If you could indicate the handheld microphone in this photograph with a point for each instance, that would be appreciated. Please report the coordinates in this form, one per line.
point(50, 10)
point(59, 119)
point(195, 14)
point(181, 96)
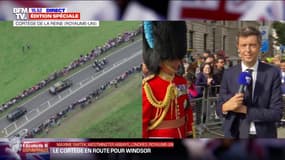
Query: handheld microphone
point(244, 80)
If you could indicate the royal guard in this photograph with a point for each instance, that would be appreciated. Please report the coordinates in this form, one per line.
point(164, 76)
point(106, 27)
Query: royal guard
point(165, 98)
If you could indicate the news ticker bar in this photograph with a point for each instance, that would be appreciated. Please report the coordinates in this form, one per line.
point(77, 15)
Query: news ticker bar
point(91, 147)
point(55, 23)
point(50, 149)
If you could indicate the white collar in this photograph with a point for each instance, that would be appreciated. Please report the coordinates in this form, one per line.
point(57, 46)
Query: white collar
point(254, 67)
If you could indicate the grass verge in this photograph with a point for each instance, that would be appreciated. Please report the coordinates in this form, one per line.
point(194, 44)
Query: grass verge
point(51, 48)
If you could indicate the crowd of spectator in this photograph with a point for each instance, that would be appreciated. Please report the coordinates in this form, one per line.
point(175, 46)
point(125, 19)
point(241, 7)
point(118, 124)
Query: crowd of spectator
point(56, 119)
point(204, 75)
point(94, 53)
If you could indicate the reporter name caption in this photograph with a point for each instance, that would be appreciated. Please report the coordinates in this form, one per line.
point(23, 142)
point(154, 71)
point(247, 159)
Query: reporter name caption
point(49, 17)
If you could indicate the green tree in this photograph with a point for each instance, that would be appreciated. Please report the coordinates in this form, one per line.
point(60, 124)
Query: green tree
point(280, 31)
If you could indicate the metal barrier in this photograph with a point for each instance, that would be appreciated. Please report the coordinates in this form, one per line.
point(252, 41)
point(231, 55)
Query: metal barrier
point(283, 98)
point(206, 121)
point(282, 122)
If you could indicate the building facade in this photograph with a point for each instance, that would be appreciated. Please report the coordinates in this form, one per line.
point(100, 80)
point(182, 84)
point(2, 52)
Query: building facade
point(215, 35)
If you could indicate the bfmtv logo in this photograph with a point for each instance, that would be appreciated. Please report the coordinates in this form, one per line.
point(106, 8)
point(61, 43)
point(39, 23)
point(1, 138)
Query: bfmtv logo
point(20, 13)
point(248, 79)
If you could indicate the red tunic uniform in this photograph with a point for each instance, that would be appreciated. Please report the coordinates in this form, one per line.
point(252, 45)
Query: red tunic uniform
point(164, 113)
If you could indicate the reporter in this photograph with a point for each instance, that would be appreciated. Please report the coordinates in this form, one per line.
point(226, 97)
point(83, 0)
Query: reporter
point(251, 114)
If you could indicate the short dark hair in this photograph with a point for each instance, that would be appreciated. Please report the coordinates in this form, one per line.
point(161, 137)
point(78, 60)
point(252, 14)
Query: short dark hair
point(207, 51)
point(249, 31)
point(190, 77)
point(282, 61)
point(211, 56)
point(220, 57)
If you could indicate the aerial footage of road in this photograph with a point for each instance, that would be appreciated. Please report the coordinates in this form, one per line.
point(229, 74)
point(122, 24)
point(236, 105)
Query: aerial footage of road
point(86, 80)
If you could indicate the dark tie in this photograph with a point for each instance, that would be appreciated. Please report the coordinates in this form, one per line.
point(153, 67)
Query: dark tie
point(249, 88)
point(244, 123)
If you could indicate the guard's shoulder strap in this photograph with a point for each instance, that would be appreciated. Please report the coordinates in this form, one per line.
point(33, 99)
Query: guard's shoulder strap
point(148, 78)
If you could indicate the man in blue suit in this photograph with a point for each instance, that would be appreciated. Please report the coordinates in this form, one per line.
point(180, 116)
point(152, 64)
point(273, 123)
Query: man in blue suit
point(250, 115)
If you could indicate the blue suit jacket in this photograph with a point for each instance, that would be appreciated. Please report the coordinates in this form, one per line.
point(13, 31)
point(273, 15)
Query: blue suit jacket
point(266, 107)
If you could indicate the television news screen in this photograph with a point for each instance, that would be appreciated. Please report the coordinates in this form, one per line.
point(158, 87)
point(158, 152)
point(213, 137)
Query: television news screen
point(72, 78)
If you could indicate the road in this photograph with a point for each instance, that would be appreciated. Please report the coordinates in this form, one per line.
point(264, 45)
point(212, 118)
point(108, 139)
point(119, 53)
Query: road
point(44, 105)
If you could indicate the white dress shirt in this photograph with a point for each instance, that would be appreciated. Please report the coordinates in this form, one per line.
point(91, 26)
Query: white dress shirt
point(252, 129)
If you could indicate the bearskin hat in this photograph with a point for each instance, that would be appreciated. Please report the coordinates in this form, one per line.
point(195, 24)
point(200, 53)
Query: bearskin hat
point(163, 40)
